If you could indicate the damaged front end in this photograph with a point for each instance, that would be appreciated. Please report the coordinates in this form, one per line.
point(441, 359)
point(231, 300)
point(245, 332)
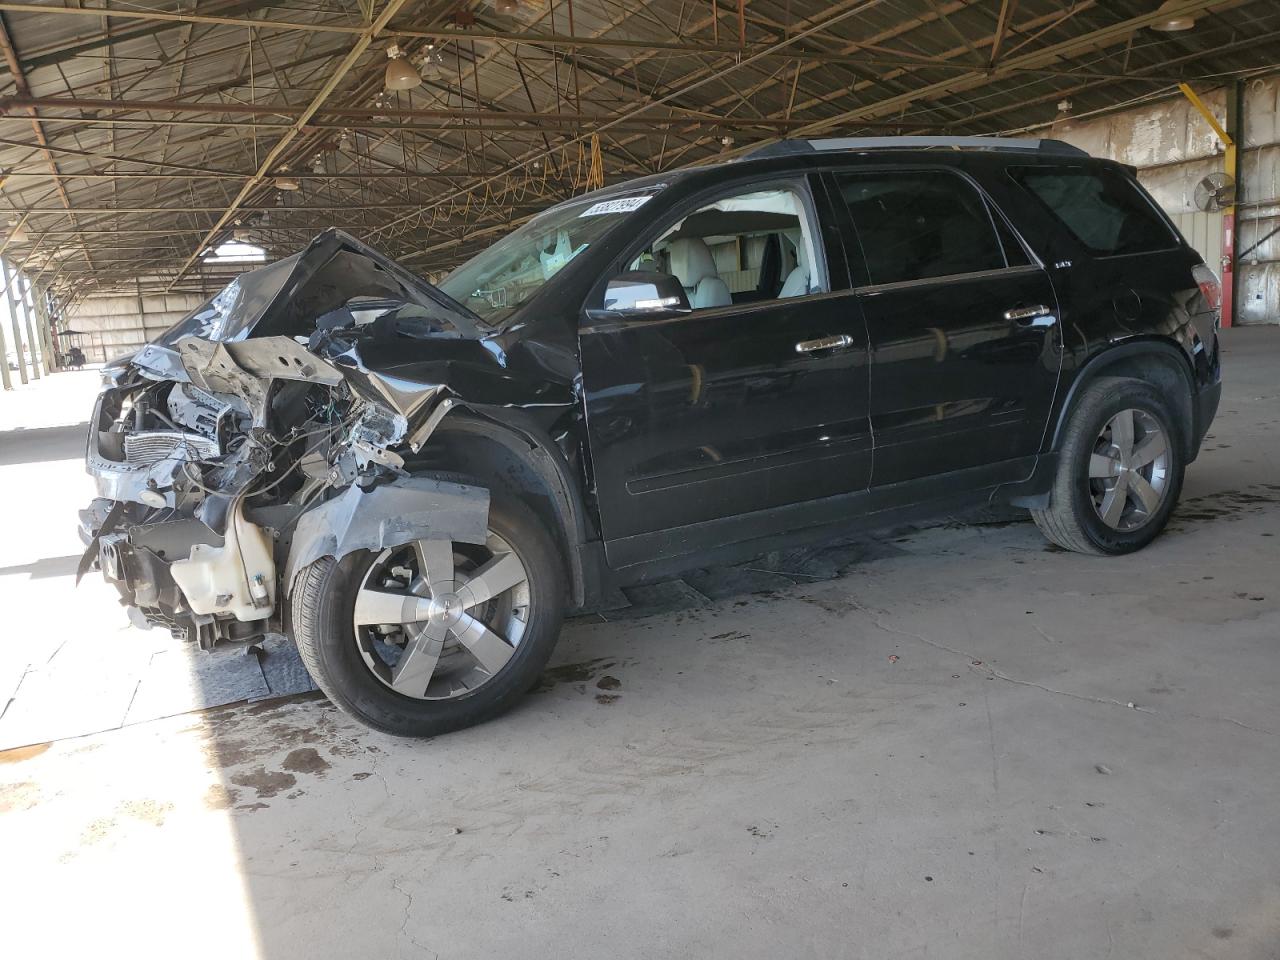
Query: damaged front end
point(269, 428)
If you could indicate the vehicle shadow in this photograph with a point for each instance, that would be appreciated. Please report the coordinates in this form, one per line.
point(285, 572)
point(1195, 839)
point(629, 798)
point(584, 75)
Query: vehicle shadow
point(40, 444)
point(44, 567)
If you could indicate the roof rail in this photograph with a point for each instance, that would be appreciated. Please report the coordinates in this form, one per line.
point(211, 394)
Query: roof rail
point(787, 148)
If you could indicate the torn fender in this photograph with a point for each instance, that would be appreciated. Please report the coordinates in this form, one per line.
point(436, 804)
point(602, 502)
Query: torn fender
point(388, 515)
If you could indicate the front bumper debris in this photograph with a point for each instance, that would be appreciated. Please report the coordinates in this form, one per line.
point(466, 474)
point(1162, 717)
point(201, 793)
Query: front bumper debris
point(233, 451)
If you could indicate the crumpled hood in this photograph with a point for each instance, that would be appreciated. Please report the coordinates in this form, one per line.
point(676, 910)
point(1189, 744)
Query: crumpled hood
point(310, 289)
point(340, 310)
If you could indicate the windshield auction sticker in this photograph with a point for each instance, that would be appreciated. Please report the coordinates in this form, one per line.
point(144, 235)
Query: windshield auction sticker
point(621, 205)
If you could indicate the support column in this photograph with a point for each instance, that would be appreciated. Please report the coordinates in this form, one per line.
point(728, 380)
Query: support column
point(52, 362)
point(1231, 235)
point(6, 274)
point(4, 361)
point(53, 313)
point(42, 330)
point(37, 348)
point(1231, 165)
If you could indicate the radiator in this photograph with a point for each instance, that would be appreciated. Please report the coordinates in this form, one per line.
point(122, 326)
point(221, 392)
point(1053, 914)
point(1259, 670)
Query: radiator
point(157, 445)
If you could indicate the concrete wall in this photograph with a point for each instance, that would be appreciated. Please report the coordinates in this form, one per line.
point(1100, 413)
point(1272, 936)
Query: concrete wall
point(119, 323)
point(1174, 148)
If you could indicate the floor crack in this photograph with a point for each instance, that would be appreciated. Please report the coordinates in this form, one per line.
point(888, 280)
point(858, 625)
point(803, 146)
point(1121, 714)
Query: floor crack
point(17, 687)
point(1067, 693)
point(976, 664)
point(404, 924)
point(1235, 722)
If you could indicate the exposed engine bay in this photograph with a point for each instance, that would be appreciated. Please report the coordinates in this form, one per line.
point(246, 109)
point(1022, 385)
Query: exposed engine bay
point(271, 427)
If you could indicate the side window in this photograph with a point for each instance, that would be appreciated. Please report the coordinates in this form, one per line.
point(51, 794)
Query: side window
point(915, 225)
point(1103, 209)
point(743, 248)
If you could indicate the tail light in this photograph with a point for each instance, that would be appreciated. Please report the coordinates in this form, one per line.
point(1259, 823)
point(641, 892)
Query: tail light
point(1209, 285)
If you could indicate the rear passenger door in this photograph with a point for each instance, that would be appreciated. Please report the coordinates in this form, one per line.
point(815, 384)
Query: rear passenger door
point(963, 327)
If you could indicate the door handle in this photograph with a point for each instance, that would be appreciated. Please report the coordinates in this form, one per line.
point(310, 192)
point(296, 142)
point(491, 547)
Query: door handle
point(825, 343)
point(1037, 316)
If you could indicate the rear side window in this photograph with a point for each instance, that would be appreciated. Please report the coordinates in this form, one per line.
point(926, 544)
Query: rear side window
point(1103, 209)
point(915, 225)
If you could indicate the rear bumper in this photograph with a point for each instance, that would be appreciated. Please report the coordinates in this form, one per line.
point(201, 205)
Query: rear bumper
point(1207, 401)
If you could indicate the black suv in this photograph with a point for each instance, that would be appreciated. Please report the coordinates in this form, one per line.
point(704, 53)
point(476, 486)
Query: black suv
point(417, 481)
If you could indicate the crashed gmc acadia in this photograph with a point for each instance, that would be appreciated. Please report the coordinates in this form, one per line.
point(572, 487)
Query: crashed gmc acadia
point(416, 482)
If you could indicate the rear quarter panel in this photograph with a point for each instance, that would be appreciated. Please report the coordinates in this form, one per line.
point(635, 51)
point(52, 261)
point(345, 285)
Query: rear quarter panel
point(1107, 302)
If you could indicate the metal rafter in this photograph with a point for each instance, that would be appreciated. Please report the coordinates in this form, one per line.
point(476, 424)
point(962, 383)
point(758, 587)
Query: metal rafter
point(1094, 39)
point(162, 138)
point(20, 82)
point(357, 50)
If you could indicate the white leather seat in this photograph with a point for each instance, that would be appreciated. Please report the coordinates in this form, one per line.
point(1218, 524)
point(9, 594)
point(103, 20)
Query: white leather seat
point(695, 268)
point(797, 282)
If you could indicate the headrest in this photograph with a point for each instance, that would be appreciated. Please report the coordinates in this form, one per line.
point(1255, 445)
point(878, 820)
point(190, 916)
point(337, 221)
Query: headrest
point(691, 261)
point(796, 239)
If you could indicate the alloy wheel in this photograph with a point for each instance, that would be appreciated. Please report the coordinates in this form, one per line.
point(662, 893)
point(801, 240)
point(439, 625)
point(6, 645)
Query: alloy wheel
point(1129, 470)
point(435, 620)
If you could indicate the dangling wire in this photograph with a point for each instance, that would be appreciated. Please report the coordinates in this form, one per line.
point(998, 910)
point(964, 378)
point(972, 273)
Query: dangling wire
point(595, 177)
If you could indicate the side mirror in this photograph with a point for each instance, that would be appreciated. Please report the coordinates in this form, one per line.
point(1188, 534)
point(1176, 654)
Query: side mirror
point(642, 293)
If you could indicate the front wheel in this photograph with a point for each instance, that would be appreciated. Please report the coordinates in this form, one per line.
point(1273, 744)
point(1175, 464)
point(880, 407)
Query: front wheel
point(433, 636)
point(1119, 471)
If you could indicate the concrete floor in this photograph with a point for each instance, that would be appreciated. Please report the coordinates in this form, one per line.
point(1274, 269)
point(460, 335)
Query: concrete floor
point(967, 745)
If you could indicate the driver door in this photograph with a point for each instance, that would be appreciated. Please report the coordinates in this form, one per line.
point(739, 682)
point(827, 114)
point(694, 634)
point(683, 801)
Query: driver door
point(702, 424)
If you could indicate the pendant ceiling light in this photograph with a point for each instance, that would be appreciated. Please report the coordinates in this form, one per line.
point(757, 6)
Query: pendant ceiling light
point(1172, 23)
point(400, 72)
point(430, 62)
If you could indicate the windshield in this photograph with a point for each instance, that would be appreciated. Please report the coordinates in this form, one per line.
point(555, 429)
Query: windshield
point(501, 278)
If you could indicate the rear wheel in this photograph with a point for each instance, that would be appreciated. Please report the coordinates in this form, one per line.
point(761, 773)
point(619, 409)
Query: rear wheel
point(432, 636)
point(1119, 471)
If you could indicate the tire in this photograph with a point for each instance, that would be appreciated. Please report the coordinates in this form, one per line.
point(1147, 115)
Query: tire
point(337, 651)
point(1101, 502)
